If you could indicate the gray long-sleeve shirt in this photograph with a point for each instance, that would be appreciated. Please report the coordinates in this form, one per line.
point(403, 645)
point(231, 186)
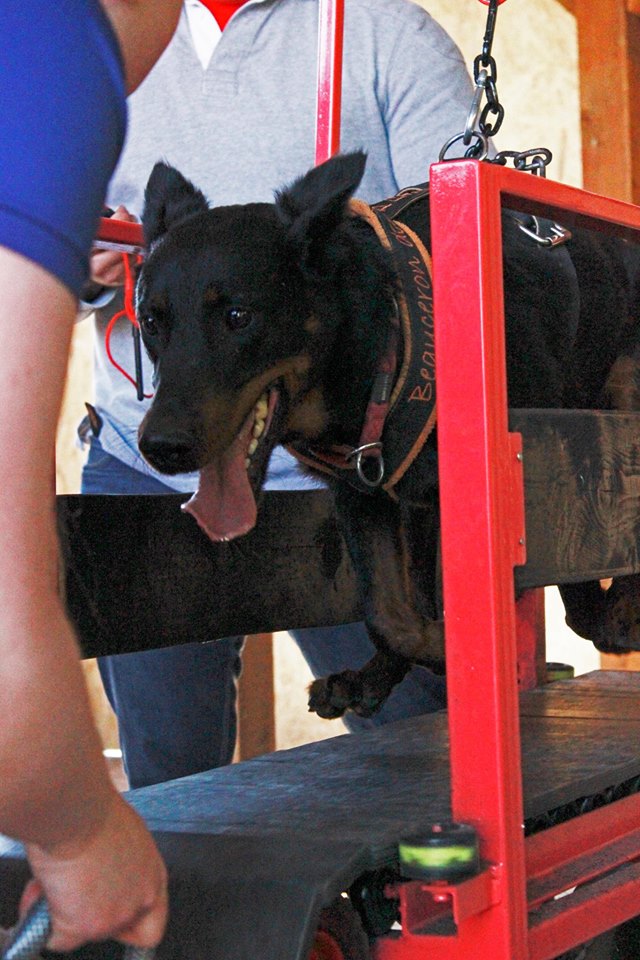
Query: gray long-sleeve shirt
point(245, 126)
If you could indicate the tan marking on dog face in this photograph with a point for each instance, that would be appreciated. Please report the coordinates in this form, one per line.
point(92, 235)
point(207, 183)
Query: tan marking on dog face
point(301, 364)
point(310, 418)
point(224, 415)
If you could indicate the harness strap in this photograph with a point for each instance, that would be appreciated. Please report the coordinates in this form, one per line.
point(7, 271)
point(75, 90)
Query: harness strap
point(410, 400)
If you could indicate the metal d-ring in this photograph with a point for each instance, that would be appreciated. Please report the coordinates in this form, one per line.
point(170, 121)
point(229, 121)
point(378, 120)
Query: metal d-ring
point(481, 144)
point(358, 453)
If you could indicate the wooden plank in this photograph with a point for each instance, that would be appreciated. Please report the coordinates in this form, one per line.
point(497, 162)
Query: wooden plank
point(608, 60)
point(633, 6)
point(600, 695)
point(582, 490)
point(126, 590)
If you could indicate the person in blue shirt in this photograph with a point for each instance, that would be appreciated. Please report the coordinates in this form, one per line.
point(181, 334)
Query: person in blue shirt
point(65, 68)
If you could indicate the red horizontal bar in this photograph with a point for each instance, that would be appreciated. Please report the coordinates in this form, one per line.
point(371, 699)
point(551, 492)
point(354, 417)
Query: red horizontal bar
point(402, 948)
point(553, 852)
point(575, 206)
point(120, 235)
point(593, 909)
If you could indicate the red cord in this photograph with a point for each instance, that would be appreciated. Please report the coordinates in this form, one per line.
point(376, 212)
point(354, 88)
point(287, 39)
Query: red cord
point(130, 314)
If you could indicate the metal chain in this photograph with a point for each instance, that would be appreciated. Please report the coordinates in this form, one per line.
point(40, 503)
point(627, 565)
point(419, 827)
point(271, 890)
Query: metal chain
point(534, 161)
point(485, 75)
point(483, 122)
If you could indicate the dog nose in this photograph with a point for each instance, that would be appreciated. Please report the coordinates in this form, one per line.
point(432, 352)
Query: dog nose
point(168, 454)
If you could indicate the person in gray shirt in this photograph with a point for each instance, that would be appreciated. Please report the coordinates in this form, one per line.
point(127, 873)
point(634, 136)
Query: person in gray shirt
point(233, 107)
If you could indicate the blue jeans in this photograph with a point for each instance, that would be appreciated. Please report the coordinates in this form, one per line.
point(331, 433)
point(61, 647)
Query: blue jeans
point(176, 706)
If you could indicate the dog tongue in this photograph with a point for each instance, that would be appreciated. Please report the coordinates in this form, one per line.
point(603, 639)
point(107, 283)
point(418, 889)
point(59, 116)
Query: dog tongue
point(224, 504)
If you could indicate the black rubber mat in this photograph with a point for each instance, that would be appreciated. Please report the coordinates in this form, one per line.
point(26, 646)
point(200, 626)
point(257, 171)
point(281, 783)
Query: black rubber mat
point(255, 850)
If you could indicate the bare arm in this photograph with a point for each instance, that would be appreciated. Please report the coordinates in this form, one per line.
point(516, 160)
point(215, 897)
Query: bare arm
point(89, 851)
point(141, 46)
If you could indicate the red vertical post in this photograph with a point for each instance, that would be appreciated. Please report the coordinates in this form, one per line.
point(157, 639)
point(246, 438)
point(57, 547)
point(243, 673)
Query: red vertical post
point(329, 91)
point(482, 509)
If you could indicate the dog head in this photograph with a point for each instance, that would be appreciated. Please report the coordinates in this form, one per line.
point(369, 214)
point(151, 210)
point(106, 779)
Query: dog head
point(238, 312)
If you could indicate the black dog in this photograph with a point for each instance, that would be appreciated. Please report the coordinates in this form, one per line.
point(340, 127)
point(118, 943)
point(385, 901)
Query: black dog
point(266, 324)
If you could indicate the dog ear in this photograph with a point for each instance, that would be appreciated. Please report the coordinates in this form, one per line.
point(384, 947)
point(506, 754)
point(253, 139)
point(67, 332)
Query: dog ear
point(315, 205)
point(168, 198)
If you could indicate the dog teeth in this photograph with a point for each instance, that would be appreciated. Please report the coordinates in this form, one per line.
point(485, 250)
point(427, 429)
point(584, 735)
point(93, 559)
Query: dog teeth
point(260, 410)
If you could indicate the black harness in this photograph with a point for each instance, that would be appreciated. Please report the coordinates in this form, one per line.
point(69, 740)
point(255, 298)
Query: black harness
point(404, 398)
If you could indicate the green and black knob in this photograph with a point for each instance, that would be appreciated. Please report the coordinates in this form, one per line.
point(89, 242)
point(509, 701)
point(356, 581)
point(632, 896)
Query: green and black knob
point(559, 671)
point(444, 851)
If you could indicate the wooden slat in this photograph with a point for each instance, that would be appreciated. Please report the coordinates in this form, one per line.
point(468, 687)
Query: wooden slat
point(633, 6)
point(582, 495)
point(126, 591)
point(608, 58)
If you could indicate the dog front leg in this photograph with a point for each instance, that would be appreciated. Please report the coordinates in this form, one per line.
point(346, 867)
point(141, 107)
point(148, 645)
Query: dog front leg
point(393, 602)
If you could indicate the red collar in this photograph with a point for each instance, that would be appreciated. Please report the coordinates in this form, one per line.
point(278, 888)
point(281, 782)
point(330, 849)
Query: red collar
point(366, 459)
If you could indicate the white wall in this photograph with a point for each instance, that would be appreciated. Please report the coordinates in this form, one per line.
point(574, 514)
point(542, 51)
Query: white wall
point(536, 53)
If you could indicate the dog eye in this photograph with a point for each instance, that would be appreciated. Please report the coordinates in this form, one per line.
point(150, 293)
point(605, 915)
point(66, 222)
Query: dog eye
point(149, 325)
point(237, 318)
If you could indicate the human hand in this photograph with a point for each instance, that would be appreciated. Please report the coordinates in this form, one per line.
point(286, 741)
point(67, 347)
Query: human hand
point(107, 268)
point(110, 885)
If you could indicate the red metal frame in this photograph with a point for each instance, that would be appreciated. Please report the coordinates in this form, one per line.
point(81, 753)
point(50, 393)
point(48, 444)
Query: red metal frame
point(120, 235)
point(508, 912)
point(329, 92)
point(516, 917)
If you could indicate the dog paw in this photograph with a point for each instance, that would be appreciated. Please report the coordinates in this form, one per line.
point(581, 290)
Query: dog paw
point(332, 696)
point(621, 628)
